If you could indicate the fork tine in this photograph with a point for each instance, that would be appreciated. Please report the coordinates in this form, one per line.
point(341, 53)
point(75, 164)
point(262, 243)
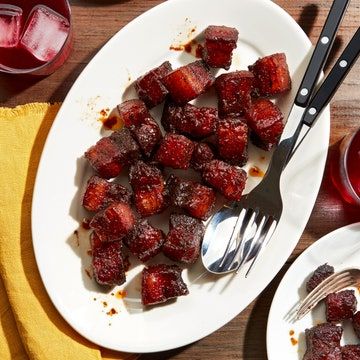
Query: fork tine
point(240, 235)
point(266, 235)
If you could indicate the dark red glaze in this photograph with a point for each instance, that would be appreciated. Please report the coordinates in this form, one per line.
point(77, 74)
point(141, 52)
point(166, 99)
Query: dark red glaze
point(220, 41)
point(272, 74)
point(133, 112)
point(318, 276)
point(229, 180)
point(202, 154)
point(184, 238)
point(340, 305)
point(149, 87)
point(350, 352)
point(160, 283)
point(234, 92)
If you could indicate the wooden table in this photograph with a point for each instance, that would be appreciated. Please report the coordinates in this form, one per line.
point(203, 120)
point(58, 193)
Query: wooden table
point(95, 21)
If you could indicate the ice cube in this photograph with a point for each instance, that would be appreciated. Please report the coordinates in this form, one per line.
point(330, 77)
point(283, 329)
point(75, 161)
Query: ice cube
point(45, 33)
point(10, 25)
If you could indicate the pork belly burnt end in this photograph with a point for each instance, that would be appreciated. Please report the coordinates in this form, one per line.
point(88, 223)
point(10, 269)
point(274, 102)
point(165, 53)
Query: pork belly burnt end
point(188, 82)
point(145, 241)
point(114, 222)
point(220, 41)
point(175, 151)
point(356, 323)
point(100, 193)
point(107, 263)
point(184, 238)
point(148, 184)
point(323, 342)
point(340, 305)
point(232, 139)
point(147, 135)
point(266, 122)
point(202, 154)
point(197, 122)
point(129, 149)
point(196, 199)
point(149, 87)
point(318, 276)
point(271, 74)
point(161, 283)
point(133, 112)
point(227, 179)
point(350, 352)
point(234, 92)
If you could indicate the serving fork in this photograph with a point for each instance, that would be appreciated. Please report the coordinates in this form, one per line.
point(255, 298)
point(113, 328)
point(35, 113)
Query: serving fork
point(335, 282)
point(258, 213)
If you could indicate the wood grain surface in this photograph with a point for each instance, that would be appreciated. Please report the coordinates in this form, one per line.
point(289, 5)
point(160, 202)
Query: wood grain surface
point(95, 21)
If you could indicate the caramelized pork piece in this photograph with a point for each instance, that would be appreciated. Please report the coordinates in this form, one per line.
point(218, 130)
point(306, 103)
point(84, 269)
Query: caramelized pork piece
point(232, 139)
point(220, 41)
point(184, 238)
point(202, 154)
point(234, 92)
point(266, 122)
point(272, 75)
point(148, 185)
point(196, 199)
point(193, 121)
point(145, 241)
point(356, 323)
point(318, 276)
point(108, 265)
point(100, 193)
point(109, 155)
point(188, 82)
point(160, 283)
point(229, 180)
point(114, 222)
point(149, 86)
point(350, 352)
point(147, 135)
point(340, 305)
point(133, 112)
point(175, 151)
point(323, 342)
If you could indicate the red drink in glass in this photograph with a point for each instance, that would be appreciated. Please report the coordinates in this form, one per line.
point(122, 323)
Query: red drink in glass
point(44, 36)
point(346, 171)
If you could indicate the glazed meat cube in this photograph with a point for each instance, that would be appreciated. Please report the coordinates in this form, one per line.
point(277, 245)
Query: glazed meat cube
point(149, 87)
point(318, 276)
point(188, 82)
point(323, 342)
point(108, 265)
point(272, 74)
point(232, 138)
point(227, 179)
point(175, 151)
point(114, 222)
point(356, 323)
point(172, 116)
point(220, 41)
point(145, 241)
point(147, 135)
point(104, 157)
point(133, 112)
point(100, 193)
point(266, 122)
point(129, 150)
point(160, 283)
point(234, 92)
point(340, 305)
point(202, 154)
point(148, 184)
point(196, 199)
point(95, 242)
point(350, 352)
point(184, 239)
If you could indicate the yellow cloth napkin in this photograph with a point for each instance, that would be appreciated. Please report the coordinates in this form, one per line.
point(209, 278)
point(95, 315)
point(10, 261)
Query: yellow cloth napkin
point(31, 327)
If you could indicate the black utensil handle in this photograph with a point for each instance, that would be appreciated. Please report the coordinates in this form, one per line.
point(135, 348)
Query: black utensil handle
point(321, 52)
point(336, 76)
